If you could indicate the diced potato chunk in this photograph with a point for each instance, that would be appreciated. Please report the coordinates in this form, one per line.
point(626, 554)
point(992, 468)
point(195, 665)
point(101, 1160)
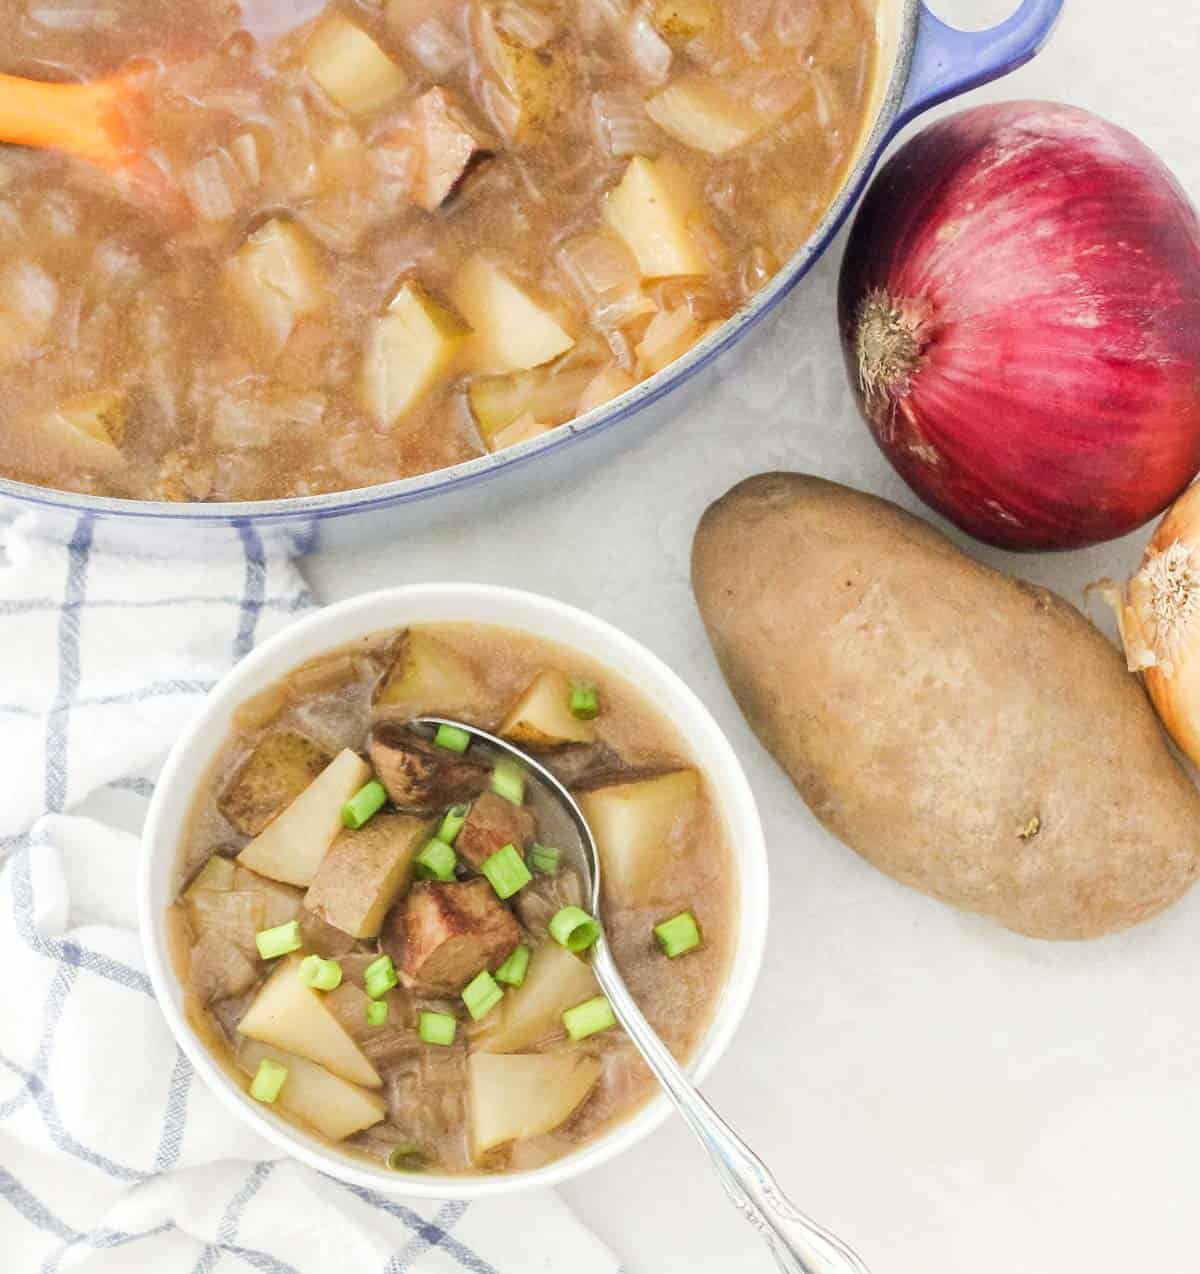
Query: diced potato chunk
point(608, 384)
point(632, 823)
point(281, 902)
point(683, 20)
point(351, 67)
point(520, 1096)
point(546, 395)
point(291, 847)
point(704, 114)
point(365, 871)
point(409, 349)
point(281, 766)
point(511, 329)
point(324, 1101)
point(88, 430)
point(521, 430)
point(276, 277)
point(429, 676)
point(217, 873)
point(541, 718)
point(288, 1014)
point(556, 980)
point(649, 210)
point(536, 83)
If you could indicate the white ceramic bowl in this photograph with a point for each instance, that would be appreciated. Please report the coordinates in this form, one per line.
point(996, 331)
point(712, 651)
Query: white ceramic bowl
point(337, 625)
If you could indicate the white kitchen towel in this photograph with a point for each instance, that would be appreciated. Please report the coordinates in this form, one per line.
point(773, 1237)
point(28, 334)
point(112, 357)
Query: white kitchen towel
point(113, 1157)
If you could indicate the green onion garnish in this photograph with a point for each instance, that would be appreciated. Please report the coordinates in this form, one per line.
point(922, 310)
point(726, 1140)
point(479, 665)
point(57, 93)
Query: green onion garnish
point(507, 871)
point(589, 1017)
point(267, 1081)
point(436, 861)
point(509, 782)
point(364, 804)
point(437, 1028)
point(407, 1156)
point(585, 703)
point(574, 929)
point(544, 859)
point(513, 969)
point(481, 995)
point(451, 737)
point(273, 943)
point(321, 975)
point(379, 977)
point(452, 824)
point(377, 1012)
point(678, 935)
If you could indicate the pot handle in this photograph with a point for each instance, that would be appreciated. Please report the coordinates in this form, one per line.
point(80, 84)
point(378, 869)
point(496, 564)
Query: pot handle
point(947, 61)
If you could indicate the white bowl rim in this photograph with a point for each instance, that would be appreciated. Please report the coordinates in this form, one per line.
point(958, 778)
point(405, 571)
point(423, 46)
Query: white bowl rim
point(340, 623)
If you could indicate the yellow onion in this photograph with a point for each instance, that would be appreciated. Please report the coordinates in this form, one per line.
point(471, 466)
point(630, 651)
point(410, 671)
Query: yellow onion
point(1158, 612)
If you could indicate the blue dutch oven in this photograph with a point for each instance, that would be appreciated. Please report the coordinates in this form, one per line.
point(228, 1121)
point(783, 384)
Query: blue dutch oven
point(922, 62)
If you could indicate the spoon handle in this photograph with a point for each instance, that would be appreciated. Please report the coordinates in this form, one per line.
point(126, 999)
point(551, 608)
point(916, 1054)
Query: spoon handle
point(799, 1245)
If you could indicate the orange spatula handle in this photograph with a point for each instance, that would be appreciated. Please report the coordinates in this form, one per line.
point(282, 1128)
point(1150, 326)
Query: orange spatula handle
point(82, 119)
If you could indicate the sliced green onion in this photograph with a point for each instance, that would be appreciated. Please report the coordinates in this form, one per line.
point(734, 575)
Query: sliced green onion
point(513, 969)
point(407, 1156)
point(377, 1012)
point(507, 871)
point(364, 804)
point(379, 977)
point(508, 781)
point(437, 1028)
point(585, 703)
point(544, 859)
point(452, 824)
point(589, 1017)
point(267, 1081)
point(321, 975)
point(451, 737)
point(574, 929)
point(436, 861)
point(678, 935)
point(272, 943)
point(481, 995)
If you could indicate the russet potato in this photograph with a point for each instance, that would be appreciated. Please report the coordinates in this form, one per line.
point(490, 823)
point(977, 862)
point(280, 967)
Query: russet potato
point(970, 734)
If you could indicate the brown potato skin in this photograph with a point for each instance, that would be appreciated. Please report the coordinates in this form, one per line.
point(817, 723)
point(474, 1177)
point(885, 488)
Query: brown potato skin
point(930, 709)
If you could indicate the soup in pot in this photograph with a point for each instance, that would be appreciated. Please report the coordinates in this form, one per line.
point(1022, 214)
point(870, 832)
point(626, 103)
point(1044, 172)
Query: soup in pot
point(399, 234)
point(382, 932)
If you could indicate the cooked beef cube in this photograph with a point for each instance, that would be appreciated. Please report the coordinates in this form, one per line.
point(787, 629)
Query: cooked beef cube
point(443, 934)
point(270, 779)
point(218, 970)
point(445, 145)
point(493, 823)
point(583, 763)
point(420, 777)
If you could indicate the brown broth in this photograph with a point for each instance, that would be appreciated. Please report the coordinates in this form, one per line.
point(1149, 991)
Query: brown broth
point(106, 289)
point(328, 700)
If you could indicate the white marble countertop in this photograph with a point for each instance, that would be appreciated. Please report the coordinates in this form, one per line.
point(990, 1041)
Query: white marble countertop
point(948, 1096)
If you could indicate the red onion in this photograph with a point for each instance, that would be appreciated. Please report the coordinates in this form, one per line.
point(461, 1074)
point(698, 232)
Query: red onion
point(1020, 309)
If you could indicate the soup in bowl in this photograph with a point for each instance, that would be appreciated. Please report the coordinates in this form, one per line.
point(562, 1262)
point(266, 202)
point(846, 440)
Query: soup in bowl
point(371, 937)
point(397, 236)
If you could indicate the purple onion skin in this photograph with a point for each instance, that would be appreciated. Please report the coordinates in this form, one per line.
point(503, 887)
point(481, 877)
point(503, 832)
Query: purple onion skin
point(1022, 284)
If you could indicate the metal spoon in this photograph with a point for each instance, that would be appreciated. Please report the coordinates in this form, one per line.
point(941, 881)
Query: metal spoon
point(800, 1246)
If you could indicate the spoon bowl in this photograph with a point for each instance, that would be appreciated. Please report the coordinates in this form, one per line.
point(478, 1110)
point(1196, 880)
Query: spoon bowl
point(799, 1245)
